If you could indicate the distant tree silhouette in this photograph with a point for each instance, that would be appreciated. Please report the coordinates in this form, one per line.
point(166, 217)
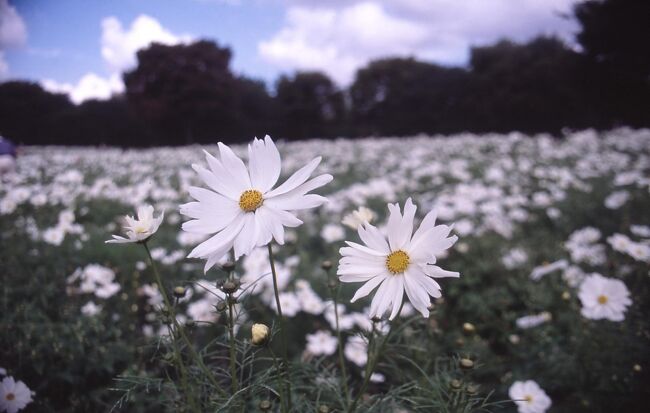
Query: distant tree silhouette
point(29, 114)
point(614, 38)
point(308, 105)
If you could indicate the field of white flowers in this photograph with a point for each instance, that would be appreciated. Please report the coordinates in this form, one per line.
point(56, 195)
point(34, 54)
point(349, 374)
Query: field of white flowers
point(550, 309)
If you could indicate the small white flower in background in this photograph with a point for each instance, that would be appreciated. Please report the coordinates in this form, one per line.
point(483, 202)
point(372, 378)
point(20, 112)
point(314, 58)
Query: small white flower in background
point(332, 233)
point(547, 268)
point(140, 229)
point(91, 309)
point(402, 263)
point(640, 230)
point(360, 216)
point(515, 258)
point(241, 207)
point(356, 350)
point(3, 371)
point(289, 303)
point(573, 275)
point(617, 199)
point(321, 343)
point(14, 395)
point(534, 320)
point(529, 397)
point(604, 298)
point(619, 242)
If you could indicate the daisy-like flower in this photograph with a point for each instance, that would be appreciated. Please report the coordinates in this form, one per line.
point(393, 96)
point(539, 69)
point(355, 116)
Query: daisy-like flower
point(402, 262)
point(241, 207)
point(14, 395)
point(603, 297)
point(141, 228)
point(529, 397)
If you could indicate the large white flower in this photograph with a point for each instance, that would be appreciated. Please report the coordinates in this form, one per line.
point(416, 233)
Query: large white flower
point(603, 297)
point(529, 397)
point(140, 229)
point(241, 207)
point(404, 261)
point(14, 395)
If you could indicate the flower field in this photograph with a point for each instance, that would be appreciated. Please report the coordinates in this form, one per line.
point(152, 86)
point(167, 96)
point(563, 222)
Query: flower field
point(549, 307)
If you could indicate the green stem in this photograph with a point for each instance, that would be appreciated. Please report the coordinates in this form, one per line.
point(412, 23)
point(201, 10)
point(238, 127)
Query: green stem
point(178, 328)
point(231, 330)
point(283, 330)
point(280, 381)
point(373, 358)
point(344, 376)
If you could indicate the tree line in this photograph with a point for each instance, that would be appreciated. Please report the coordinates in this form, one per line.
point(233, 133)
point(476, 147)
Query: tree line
point(188, 94)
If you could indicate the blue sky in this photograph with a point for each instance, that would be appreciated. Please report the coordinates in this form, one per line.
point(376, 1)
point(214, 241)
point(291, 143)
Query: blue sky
point(81, 47)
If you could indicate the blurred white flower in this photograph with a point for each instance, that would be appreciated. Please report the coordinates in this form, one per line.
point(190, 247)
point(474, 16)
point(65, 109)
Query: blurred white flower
point(547, 268)
point(360, 216)
point(529, 397)
point(617, 199)
point(403, 263)
point(604, 298)
point(140, 229)
point(321, 343)
point(241, 206)
point(640, 230)
point(356, 350)
point(534, 320)
point(332, 233)
point(514, 258)
point(14, 395)
point(91, 309)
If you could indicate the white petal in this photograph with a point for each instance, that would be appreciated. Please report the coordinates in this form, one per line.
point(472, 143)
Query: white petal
point(247, 238)
point(298, 178)
point(220, 240)
point(235, 166)
point(372, 237)
point(417, 296)
point(264, 164)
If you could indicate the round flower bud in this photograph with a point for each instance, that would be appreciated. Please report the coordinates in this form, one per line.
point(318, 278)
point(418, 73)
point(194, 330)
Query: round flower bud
point(637, 368)
point(566, 296)
point(179, 292)
point(333, 284)
point(455, 384)
point(190, 323)
point(259, 334)
point(323, 409)
point(469, 329)
point(466, 364)
point(228, 266)
point(265, 405)
point(221, 306)
point(472, 390)
point(326, 265)
point(230, 286)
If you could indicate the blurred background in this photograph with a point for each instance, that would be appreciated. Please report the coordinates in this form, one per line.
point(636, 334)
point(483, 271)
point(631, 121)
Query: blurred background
point(147, 73)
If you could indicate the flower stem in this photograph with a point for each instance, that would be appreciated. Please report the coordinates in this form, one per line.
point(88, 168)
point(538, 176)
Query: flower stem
point(178, 328)
point(283, 331)
point(335, 295)
point(233, 356)
point(283, 407)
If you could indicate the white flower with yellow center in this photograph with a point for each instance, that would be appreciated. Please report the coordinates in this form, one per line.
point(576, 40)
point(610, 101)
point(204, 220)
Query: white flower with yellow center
point(604, 298)
point(402, 262)
point(241, 207)
point(141, 228)
point(14, 395)
point(529, 397)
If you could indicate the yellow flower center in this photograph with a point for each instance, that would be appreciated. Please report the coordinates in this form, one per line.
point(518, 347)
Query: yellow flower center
point(10, 396)
point(397, 262)
point(250, 200)
point(141, 230)
point(528, 398)
point(602, 299)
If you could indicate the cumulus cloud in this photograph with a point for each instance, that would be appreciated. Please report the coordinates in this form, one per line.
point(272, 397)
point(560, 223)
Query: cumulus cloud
point(339, 36)
point(119, 46)
point(118, 49)
point(13, 33)
point(90, 86)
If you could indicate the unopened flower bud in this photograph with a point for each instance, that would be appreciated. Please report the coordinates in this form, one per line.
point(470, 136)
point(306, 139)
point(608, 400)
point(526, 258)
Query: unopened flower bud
point(228, 266)
point(469, 329)
point(637, 368)
point(333, 284)
point(265, 405)
point(472, 390)
point(259, 334)
point(466, 364)
point(326, 265)
point(221, 306)
point(566, 296)
point(190, 323)
point(230, 286)
point(455, 384)
point(179, 292)
point(323, 409)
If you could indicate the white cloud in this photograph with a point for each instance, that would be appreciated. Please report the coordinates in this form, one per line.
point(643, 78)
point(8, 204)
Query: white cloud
point(13, 32)
point(90, 86)
point(339, 37)
point(118, 48)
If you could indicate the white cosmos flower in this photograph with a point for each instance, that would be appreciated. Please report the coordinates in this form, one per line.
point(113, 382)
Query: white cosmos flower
point(603, 297)
point(241, 208)
point(529, 397)
point(141, 228)
point(403, 262)
point(14, 395)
